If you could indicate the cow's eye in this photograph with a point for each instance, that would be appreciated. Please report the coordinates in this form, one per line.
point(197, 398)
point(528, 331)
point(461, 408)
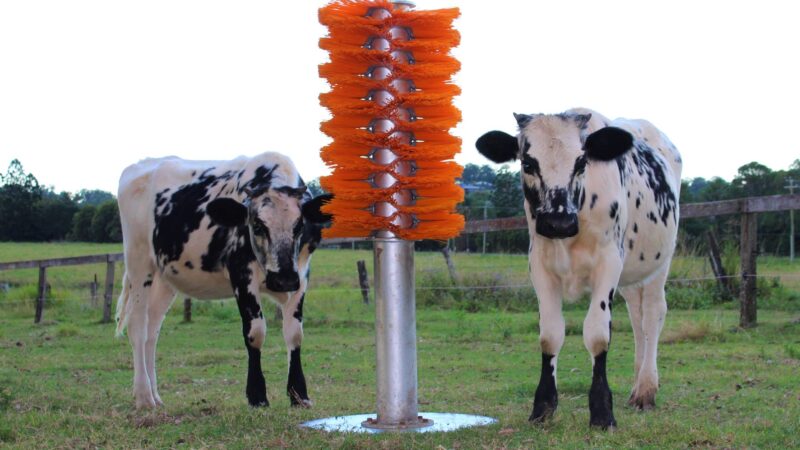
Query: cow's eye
point(259, 229)
point(530, 165)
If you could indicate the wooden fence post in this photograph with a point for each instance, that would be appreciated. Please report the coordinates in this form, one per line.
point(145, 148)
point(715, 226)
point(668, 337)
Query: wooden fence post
point(93, 291)
point(109, 291)
point(716, 264)
point(42, 294)
point(363, 280)
point(450, 266)
point(187, 309)
point(748, 251)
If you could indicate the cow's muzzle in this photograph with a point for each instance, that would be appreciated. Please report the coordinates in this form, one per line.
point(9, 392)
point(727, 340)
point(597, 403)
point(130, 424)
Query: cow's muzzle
point(283, 281)
point(557, 225)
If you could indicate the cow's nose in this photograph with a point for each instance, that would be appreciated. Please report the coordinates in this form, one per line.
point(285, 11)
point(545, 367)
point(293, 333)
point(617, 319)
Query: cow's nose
point(557, 225)
point(283, 281)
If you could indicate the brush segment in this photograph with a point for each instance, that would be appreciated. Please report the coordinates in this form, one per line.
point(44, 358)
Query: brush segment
point(391, 97)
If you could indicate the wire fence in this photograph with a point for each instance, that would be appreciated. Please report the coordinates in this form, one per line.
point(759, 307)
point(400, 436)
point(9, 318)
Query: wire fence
point(94, 302)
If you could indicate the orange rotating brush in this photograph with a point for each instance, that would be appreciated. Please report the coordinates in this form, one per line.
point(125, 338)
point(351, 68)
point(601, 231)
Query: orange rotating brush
point(391, 101)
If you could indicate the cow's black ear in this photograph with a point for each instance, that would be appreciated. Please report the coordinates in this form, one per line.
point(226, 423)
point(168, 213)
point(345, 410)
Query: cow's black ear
point(498, 146)
point(227, 212)
point(312, 212)
point(607, 143)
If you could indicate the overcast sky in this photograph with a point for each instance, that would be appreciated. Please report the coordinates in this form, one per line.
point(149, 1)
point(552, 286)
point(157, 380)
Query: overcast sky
point(88, 87)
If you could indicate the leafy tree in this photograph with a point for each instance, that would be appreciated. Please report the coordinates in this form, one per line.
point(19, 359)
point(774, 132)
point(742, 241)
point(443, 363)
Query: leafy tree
point(19, 192)
point(54, 214)
point(94, 197)
point(507, 195)
point(82, 224)
point(486, 174)
point(106, 226)
point(474, 173)
point(470, 173)
point(754, 179)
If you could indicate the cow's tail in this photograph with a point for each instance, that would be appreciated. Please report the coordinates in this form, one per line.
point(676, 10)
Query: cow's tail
point(122, 309)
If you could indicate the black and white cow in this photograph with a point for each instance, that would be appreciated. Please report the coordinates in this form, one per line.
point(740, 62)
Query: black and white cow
point(601, 199)
point(210, 229)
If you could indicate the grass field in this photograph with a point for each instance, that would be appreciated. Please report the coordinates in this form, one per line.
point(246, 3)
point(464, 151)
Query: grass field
point(67, 382)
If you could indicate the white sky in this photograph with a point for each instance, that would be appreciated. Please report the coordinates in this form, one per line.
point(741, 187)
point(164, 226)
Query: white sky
point(88, 87)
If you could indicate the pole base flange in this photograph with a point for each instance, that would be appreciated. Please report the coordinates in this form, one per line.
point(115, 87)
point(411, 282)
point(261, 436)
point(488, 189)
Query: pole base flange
point(419, 422)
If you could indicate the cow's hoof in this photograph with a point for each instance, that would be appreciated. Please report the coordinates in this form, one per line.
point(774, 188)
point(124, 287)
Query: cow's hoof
point(542, 412)
point(157, 399)
point(603, 421)
point(258, 401)
point(643, 398)
point(302, 403)
point(643, 402)
point(145, 401)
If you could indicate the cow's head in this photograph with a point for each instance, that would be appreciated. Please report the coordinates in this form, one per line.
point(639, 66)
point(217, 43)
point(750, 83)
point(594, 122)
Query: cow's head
point(554, 150)
point(276, 218)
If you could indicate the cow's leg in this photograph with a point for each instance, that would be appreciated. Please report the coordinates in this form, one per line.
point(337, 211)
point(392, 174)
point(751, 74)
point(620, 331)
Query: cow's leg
point(597, 337)
point(633, 300)
point(254, 330)
point(161, 298)
point(293, 336)
point(654, 311)
point(137, 317)
point(551, 338)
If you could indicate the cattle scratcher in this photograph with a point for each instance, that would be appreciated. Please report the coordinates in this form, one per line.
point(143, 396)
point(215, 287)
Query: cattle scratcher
point(393, 177)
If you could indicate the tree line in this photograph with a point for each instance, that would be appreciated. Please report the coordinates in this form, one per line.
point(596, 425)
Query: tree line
point(504, 198)
point(30, 212)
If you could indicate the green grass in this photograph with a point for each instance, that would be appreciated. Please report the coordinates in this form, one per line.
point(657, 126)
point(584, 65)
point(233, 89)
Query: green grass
point(67, 382)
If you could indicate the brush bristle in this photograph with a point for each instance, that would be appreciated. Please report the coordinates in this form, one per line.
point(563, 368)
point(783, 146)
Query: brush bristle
point(433, 180)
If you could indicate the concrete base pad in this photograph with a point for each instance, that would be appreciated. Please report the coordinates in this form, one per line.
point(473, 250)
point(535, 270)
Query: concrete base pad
point(441, 422)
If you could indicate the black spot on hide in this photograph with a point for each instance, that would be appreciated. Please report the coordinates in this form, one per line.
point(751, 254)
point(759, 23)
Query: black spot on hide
point(532, 197)
point(651, 167)
point(614, 209)
point(298, 313)
point(179, 216)
point(594, 200)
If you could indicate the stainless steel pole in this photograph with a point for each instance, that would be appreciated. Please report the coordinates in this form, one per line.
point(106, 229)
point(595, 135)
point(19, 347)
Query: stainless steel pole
point(395, 301)
point(396, 335)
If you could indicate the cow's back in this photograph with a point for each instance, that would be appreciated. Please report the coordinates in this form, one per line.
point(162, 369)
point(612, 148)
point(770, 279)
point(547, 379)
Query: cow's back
point(652, 177)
